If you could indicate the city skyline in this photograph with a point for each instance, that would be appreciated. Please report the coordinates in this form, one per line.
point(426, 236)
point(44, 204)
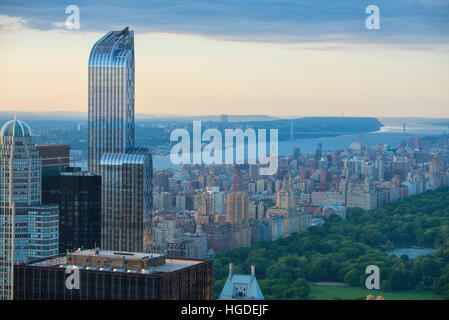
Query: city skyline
point(113, 184)
point(298, 64)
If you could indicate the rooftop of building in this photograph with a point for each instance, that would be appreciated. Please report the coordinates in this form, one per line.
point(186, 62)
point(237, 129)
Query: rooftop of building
point(79, 173)
point(241, 286)
point(131, 258)
point(135, 155)
point(111, 43)
point(43, 206)
point(59, 147)
point(15, 128)
point(115, 254)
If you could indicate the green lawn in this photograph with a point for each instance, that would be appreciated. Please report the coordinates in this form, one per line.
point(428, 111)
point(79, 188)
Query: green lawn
point(354, 293)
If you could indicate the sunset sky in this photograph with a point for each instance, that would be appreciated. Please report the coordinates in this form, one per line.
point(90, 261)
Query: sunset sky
point(275, 57)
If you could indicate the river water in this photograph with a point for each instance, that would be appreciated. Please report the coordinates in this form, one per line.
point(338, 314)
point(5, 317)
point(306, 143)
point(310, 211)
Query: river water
point(412, 253)
point(391, 134)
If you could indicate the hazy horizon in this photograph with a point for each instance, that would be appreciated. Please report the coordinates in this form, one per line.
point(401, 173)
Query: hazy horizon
point(56, 113)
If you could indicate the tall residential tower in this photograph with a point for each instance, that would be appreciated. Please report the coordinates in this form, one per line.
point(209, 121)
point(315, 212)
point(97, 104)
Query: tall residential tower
point(111, 96)
point(126, 171)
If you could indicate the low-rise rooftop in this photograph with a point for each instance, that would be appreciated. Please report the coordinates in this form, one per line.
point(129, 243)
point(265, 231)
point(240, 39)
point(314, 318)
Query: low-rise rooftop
point(114, 261)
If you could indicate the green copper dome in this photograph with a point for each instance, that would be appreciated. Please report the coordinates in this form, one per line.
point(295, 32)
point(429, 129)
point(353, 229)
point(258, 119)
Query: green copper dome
point(15, 128)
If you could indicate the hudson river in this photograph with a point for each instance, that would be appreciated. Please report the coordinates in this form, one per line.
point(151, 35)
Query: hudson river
point(391, 134)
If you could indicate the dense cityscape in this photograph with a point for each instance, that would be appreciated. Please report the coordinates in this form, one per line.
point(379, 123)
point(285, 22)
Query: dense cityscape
point(245, 152)
point(104, 218)
point(213, 209)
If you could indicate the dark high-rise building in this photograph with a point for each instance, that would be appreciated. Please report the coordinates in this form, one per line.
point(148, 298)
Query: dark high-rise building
point(109, 275)
point(78, 195)
point(219, 237)
point(236, 179)
point(297, 153)
point(126, 171)
point(55, 159)
point(319, 151)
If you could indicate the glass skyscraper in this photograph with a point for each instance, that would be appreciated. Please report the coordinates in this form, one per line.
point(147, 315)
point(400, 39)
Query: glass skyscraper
point(111, 96)
point(126, 187)
point(126, 200)
point(28, 229)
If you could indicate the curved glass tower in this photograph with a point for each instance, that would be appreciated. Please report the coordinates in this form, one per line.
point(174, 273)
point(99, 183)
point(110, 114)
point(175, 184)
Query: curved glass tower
point(126, 171)
point(111, 96)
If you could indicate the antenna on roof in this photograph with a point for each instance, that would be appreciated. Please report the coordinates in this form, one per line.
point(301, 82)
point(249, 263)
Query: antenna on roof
point(125, 30)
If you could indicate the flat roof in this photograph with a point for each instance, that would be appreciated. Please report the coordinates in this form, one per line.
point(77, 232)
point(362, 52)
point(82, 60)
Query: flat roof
point(79, 173)
point(116, 254)
point(171, 264)
point(176, 264)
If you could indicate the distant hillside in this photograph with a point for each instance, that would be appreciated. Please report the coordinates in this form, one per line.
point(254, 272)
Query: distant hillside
point(313, 127)
point(443, 123)
point(42, 116)
point(82, 116)
point(213, 118)
point(64, 127)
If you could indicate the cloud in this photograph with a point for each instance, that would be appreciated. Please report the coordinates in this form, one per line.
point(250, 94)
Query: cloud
point(404, 21)
point(433, 3)
point(11, 24)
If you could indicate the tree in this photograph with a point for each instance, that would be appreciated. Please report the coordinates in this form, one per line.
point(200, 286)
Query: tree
point(442, 283)
point(401, 279)
point(341, 250)
point(352, 277)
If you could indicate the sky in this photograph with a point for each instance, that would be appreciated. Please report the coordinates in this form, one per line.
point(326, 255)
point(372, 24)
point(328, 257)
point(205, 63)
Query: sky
point(273, 57)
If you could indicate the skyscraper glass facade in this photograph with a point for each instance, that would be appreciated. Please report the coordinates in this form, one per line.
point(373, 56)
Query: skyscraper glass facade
point(127, 200)
point(78, 195)
point(111, 96)
point(28, 229)
point(126, 171)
